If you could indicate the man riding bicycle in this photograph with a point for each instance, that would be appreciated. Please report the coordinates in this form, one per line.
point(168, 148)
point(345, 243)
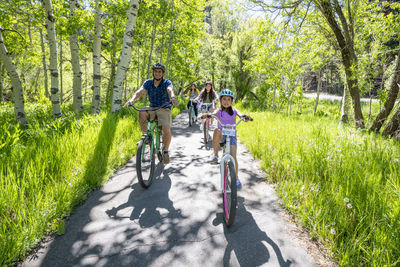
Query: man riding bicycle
point(160, 92)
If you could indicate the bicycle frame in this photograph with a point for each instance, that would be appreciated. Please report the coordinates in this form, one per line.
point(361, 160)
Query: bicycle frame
point(153, 131)
point(152, 127)
point(227, 153)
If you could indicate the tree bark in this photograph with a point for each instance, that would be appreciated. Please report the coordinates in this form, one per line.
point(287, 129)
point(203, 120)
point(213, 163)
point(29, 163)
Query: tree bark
point(2, 92)
point(75, 61)
point(153, 35)
point(97, 59)
point(46, 78)
point(125, 57)
point(50, 25)
point(345, 42)
point(171, 36)
point(18, 93)
point(393, 127)
point(112, 69)
point(390, 100)
point(61, 70)
point(346, 104)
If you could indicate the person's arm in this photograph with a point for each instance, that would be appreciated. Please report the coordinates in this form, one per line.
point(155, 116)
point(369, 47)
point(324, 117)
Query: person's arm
point(241, 115)
point(138, 94)
point(170, 90)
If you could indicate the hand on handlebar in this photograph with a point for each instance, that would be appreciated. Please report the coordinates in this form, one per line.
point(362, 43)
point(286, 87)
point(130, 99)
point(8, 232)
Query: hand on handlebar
point(174, 101)
point(128, 104)
point(247, 118)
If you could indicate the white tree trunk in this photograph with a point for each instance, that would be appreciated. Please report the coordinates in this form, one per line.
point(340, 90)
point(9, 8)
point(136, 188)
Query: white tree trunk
point(171, 37)
point(346, 105)
point(2, 92)
point(153, 35)
point(97, 59)
point(51, 32)
point(18, 92)
point(61, 69)
point(76, 66)
point(46, 78)
point(125, 57)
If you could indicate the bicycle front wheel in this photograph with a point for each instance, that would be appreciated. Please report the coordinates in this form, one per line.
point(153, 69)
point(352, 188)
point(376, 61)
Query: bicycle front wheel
point(206, 125)
point(145, 161)
point(229, 193)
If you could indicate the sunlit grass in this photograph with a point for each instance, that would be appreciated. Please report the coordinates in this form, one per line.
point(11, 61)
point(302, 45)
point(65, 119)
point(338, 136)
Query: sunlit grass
point(50, 166)
point(340, 183)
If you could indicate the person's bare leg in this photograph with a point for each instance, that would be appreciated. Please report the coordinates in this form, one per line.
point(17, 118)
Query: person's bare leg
point(217, 136)
point(166, 136)
point(202, 117)
point(143, 121)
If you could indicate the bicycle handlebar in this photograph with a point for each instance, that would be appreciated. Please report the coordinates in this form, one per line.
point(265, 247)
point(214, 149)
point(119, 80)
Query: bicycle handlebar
point(149, 108)
point(228, 125)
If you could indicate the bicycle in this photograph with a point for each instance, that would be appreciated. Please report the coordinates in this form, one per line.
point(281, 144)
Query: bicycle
point(206, 125)
point(192, 116)
point(149, 144)
point(228, 172)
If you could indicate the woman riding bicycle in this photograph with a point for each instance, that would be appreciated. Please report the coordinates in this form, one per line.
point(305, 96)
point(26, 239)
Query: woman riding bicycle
point(227, 115)
point(207, 95)
point(192, 94)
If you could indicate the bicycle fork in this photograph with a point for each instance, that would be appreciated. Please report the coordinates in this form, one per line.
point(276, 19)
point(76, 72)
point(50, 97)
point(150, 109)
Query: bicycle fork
point(225, 158)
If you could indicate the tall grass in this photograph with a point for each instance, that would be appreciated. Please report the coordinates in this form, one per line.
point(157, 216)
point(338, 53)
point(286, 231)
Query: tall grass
point(342, 184)
point(49, 167)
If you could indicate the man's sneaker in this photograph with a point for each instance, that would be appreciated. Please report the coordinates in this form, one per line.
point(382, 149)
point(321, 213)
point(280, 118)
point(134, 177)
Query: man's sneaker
point(238, 184)
point(165, 158)
point(214, 160)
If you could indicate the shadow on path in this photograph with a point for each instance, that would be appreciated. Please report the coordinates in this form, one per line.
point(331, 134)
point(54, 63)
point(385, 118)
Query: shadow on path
point(247, 241)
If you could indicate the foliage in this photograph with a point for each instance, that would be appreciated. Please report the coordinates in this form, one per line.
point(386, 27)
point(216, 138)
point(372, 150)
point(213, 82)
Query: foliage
point(341, 184)
point(49, 167)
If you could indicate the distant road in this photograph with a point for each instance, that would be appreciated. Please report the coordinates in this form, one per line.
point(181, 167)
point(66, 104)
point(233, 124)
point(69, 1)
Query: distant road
point(326, 96)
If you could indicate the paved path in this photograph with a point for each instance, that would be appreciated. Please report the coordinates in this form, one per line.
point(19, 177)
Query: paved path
point(178, 220)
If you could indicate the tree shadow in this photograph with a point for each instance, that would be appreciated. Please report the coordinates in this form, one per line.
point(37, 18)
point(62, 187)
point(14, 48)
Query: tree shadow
point(96, 166)
point(147, 203)
point(247, 241)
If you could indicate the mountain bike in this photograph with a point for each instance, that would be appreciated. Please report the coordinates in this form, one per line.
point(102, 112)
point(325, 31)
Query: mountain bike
point(228, 172)
point(192, 116)
point(206, 126)
point(149, 145)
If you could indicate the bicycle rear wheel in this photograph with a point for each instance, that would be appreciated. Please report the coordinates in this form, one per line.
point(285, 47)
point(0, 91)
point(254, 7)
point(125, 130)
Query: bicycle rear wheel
point(190, 115)
point(145, 161)
point(160, 146)
point(229, 193)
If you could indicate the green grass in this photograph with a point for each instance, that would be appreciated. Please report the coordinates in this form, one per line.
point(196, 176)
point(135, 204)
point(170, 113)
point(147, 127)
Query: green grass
point(340, 183)
point(50, 167)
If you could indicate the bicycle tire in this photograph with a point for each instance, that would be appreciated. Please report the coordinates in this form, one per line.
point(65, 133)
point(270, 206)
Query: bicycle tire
point(205, 129)
point(229, 193)
point(161, 147)
point(190, 116)
point(145, 162)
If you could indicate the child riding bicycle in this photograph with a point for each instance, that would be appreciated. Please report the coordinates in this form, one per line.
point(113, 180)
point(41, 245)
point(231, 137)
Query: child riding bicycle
point(227, 115)
point(192, 94)
point(207, 95)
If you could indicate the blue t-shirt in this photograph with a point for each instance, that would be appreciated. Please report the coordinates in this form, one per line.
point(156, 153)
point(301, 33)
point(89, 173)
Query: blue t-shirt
point(158, 96)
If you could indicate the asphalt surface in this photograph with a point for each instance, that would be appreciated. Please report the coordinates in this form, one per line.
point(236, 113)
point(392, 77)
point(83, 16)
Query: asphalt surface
point(178, 220)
